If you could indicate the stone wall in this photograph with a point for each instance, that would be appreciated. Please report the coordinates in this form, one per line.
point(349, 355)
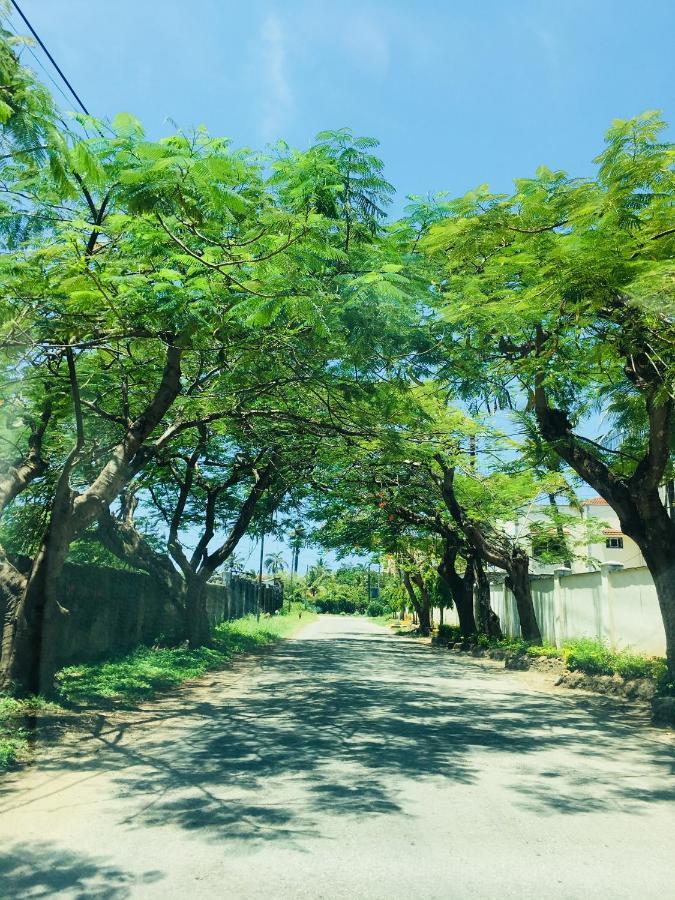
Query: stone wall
point(111, 610)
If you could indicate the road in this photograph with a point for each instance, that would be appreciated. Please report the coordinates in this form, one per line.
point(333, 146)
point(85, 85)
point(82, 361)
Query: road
point(349, 763)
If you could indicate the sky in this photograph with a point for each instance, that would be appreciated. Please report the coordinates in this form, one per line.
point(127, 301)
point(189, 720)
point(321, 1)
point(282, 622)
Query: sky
point(458, 93)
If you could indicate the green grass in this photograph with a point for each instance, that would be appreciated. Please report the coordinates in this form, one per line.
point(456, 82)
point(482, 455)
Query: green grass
point(146, 671)
point(596, 658)
point(14, 717)
point(591, 657)
point(139, 675)
point(386, 619)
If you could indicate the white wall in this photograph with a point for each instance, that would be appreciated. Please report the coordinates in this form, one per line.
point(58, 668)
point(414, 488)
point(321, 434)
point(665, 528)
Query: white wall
point(616, 606)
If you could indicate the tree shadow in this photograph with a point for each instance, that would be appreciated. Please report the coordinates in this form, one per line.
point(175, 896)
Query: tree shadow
point(338, 727)
point(47, 870)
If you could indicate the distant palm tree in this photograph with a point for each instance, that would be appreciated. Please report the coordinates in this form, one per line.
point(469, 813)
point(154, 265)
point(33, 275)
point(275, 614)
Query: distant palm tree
point(297, 537)
point(234, 563)
point(316, 576)
point(274, 563)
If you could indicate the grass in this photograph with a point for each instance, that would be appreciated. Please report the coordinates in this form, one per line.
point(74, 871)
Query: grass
point(146, 671)
point(15, 715)
point(583, 655)
point(386, 619)
point(140, 675)
point(595, 658)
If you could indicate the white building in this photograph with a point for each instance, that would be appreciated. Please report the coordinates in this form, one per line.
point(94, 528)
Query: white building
point(613, 547)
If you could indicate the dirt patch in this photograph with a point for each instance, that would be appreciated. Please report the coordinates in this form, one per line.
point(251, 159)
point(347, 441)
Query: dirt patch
point(550, 673)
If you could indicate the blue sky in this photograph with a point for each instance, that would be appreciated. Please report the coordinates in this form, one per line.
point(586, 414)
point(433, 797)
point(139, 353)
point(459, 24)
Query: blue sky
point(459, 93)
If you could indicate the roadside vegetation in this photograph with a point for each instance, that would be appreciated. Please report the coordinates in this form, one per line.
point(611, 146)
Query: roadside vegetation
point(585, 655)
point(140, 675)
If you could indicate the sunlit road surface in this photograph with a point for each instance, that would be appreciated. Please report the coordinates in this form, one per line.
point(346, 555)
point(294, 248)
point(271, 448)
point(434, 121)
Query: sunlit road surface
point(350, 763)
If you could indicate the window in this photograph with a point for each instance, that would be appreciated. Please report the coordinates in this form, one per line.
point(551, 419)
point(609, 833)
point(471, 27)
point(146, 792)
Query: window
point(614, 543)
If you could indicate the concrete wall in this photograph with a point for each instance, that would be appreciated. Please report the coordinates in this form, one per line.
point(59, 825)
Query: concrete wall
point(616, 606)
point(111, 611)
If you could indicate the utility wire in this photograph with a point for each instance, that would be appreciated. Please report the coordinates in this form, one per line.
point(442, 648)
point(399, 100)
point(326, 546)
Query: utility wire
point(40, 63)
point(49, 56)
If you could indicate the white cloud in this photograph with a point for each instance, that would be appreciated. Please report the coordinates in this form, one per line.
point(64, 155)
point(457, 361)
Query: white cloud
point(278, 99)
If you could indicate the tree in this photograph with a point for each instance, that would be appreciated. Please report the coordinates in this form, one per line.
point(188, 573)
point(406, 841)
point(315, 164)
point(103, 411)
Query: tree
point(275, 563)
point(564, 289)
point(161, 259)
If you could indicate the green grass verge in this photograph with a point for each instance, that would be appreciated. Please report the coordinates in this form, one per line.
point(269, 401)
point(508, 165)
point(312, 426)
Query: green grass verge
point(140, 675)
point(387, 619)
point(15, 716)
point(592, 657)
point(595, 658)
point(146, 671)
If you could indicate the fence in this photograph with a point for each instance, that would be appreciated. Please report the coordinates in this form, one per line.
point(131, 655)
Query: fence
point(111, 610)
point(618, 606)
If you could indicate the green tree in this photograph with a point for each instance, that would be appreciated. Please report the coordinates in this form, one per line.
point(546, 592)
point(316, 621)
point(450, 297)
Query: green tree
point(275, 563)
point(564, 290)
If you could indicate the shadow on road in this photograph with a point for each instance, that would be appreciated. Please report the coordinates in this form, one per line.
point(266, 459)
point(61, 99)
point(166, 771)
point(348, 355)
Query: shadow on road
point(340, 727)
point(46, 870)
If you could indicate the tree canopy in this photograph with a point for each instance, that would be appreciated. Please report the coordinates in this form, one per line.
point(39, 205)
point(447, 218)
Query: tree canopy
point(194, 336)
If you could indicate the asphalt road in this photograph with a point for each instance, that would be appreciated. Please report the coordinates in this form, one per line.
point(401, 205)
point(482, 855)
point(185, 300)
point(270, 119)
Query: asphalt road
point(350, 763)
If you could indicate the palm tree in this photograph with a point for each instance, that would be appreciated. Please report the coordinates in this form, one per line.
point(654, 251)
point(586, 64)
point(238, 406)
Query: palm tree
point(235, 563)
point(274, 563)
point(318, 573)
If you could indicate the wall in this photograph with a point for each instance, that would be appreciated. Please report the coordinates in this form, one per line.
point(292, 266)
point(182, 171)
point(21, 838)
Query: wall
point(111, 610)
point(616, 606)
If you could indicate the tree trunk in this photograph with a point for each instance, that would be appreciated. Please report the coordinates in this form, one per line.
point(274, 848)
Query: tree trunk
point(654, 533)
point(635, 498)
point(421, 606)
point(518, 580)
point(196, 615)
point(424, 611)
point(488, 620)
point(12, 589)
point(30, 657)
point(424, 615)
point(461, 589)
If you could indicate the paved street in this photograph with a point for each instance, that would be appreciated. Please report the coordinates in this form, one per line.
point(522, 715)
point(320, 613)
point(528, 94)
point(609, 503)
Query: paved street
point(350, 763)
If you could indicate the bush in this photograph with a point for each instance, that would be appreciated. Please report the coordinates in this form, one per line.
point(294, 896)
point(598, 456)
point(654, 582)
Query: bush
point(448, 634)
point(544, 650)
point(596, 658)
point(14, 715)
point(9, 750)
point(586, 655)
point(376, 609)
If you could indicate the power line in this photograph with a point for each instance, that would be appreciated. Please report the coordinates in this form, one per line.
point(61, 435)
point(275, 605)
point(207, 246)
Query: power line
point(49, 56)
point(48, 75)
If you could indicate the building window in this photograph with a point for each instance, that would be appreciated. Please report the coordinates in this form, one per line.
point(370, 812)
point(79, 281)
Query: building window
point(614, 543)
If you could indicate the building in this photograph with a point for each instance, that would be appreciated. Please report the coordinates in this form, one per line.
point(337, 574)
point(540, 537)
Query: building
point(596, 516)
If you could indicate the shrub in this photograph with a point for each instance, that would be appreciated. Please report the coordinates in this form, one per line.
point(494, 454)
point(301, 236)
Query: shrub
point(14, 714)
point(589, 656)
point(543, 650)
point(596, 658)
point(376, 609)
point(448, 634)
point(9, 748)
